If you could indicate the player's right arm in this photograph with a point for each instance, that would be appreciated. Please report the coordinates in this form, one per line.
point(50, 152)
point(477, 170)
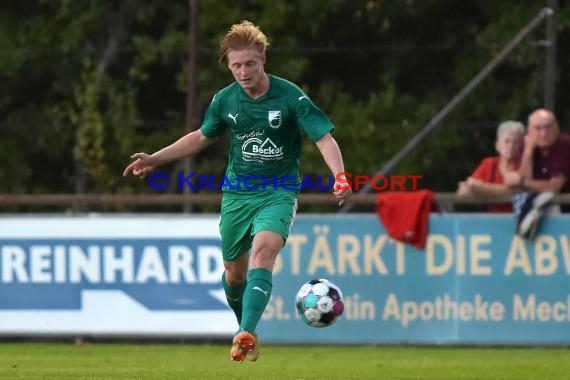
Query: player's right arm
point(187, 145)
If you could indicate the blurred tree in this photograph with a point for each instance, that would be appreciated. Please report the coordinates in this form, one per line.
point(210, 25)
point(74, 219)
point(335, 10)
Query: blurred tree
point(84, 84)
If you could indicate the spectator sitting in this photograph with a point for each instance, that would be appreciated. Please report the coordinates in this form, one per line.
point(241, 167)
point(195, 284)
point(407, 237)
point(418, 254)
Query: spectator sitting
point(487, 180)
point(544, 168)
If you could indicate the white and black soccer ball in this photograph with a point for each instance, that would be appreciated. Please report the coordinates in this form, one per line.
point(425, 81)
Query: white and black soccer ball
point(319, 303)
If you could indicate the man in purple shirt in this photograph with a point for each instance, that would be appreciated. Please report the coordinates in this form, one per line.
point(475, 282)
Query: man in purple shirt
point(544, 169)
point(545, 164)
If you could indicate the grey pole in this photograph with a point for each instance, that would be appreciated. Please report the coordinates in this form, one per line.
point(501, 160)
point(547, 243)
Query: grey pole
point(550, 57)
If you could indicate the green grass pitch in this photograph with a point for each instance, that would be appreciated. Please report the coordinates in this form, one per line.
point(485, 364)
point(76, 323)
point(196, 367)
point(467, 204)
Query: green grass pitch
point(37, 361)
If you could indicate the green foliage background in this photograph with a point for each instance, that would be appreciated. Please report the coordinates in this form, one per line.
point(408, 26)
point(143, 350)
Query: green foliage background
point(84, 84)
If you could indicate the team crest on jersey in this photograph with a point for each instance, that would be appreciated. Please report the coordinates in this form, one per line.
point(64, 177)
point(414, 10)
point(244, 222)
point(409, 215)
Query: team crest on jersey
point(274, 118)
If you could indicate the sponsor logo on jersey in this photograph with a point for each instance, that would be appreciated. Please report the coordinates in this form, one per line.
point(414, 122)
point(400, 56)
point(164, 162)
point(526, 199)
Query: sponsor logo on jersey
point(256, 149)
point(274, 118)
point(233, 117)
point(249, 135)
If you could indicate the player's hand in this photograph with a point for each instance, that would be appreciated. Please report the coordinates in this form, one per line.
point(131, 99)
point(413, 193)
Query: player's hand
point(342, 191)
point(142, 165)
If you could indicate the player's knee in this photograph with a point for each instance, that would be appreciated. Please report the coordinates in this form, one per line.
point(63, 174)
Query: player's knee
point(235, 278)
point(264, 257)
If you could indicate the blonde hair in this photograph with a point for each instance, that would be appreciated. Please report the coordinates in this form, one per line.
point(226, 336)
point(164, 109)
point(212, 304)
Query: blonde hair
point(241, 36)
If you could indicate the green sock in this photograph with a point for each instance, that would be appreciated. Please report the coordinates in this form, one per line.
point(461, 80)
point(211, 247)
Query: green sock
point(256, 297)
point(234, 295)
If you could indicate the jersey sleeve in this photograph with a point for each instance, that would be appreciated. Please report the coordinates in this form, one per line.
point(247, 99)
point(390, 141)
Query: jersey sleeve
point(311, 119)
point(213, 124)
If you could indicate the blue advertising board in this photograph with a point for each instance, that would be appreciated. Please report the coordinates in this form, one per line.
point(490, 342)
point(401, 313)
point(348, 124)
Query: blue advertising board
point(475, 282)
point(112, 275)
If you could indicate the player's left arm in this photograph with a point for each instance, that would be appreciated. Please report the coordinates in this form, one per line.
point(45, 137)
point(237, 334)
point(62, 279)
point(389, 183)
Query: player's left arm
point(330, 150)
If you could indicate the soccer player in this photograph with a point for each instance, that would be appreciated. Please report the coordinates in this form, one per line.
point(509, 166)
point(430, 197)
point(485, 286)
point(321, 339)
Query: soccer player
point(266, 116)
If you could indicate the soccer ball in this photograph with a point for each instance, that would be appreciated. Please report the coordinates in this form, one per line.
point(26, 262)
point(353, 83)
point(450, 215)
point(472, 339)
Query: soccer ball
point(319, 303)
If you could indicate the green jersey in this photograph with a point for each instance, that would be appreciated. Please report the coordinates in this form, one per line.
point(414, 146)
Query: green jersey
point(265, 134)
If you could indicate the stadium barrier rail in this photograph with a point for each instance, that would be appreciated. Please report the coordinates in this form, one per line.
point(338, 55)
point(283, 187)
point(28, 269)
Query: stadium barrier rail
point(446, 201)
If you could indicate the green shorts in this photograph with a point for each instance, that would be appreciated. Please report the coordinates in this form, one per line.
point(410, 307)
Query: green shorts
point(242, 218)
